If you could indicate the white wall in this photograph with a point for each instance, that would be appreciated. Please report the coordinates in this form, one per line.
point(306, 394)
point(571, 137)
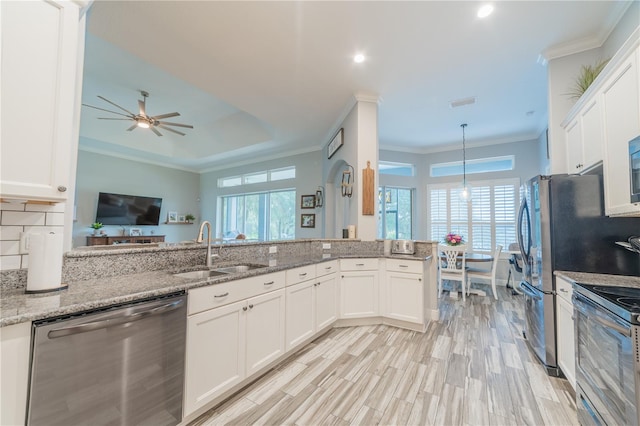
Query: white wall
point(627, 24)
point(308, 178)
point(96, 173)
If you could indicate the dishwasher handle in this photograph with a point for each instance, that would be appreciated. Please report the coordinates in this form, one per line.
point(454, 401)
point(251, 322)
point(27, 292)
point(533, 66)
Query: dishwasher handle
point(112, 322)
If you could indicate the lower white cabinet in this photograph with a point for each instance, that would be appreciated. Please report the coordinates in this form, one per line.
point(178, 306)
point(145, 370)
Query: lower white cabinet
point(311, 306)
point(404, 296)
point(359, 288)
point(228, 343)
point(15, 347)
point(565, 331)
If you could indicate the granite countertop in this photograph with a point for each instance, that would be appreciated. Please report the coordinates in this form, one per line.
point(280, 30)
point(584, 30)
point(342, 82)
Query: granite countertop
point(600, 279)
point(80, 296)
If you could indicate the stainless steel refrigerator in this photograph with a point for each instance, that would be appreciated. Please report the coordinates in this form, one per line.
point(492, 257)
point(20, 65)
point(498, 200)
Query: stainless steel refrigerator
point(562, 226)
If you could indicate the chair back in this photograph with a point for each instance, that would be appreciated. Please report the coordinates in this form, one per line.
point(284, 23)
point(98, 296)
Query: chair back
point(453, 258)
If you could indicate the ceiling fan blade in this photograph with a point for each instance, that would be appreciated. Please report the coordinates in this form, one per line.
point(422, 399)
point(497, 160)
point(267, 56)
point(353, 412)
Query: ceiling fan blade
point(171, 114)
point(102, 109)
point(105, 118)
point(166, 123)
point(116, 105)
point(141, 106)
point(171, 130)
point(154, 130)
point(132, 127)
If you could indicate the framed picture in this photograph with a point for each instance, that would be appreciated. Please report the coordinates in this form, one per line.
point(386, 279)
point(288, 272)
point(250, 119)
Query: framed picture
point(182, 218)
point(135, 232)
point(336, 143)
point(308, 201)
point(172, 217)
point(308, 221)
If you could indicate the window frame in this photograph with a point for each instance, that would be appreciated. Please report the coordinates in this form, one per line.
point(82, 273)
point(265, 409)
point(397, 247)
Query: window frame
point(382, 212)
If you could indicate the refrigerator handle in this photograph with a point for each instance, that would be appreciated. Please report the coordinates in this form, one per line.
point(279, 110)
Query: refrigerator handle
point(524, 250)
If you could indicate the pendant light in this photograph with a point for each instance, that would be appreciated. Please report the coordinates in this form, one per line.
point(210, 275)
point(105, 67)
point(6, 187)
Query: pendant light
point(465, 192)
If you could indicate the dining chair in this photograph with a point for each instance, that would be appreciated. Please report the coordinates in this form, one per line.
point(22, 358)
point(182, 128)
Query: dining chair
point(452, 266)
point(488, 274)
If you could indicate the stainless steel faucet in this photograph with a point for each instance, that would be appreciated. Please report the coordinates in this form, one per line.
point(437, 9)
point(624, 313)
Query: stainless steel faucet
point(200, 239)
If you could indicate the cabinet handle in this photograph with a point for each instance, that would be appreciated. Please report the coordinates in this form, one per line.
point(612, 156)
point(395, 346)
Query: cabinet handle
point(419, 279)
point(564, 290)
point(269, 283)
point(62, 188)
point(250, 306)
point(244, 308)
point(327, 268)
point(342, 276)
point(359, 264)
point(404, 266)
point(222, 295)
point(303, 275)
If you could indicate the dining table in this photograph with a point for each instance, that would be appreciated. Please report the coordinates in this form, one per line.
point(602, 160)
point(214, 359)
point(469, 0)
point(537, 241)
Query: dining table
point(475, 258)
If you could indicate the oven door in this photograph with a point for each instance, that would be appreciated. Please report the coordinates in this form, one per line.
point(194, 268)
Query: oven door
point(605, 369)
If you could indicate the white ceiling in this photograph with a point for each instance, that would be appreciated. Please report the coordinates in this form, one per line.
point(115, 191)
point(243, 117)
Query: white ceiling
point(264, 79)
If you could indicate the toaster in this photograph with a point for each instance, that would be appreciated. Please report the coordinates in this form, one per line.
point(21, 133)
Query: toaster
point(402, 247)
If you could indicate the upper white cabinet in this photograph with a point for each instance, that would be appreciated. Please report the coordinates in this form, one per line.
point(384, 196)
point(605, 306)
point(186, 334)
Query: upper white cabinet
point(584, 138)
point(41, 53)
point(621, 104)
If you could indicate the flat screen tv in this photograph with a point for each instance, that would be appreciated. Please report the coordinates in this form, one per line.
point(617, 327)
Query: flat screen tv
point(119, 209)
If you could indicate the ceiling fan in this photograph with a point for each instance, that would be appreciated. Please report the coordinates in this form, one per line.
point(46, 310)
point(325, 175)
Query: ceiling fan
point(142, 119)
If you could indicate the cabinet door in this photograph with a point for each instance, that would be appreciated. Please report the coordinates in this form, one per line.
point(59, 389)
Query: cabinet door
point(574, 147)
point(404, 297)
point(621, 124)
point(566, 343)
point(359, 294)
point(592, 137)
point(300, 313)
point(265, 329)
point(326, 301)
point(39, 63)
point(215, 356)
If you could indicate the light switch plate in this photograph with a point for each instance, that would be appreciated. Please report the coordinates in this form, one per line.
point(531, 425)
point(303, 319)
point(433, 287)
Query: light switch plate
point(326, 246)
point(273, 249)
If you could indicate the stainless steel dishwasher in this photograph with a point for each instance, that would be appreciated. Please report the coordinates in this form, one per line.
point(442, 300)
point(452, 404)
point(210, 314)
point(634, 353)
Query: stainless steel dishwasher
point(122, 365)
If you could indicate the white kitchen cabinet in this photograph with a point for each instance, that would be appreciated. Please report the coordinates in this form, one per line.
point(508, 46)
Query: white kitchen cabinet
point(15, 347)
point(359, 288)
point(621, 105)
point(300, 313)
point(573, 134)
point(265, 325)
point(404, 291)
point(215, 356)
point(41, 52)
point(584, 138)
point(326, 301)
point(564, 330)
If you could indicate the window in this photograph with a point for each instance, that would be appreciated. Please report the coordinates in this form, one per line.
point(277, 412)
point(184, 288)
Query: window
point(262, 216)
point(479, 165)
point(397, 169)
point(488, 219)
point(258, 177)
point(395, 208)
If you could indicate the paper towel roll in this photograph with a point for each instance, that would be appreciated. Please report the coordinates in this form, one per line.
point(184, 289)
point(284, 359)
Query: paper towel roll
point(352, 231)
point(45, 262)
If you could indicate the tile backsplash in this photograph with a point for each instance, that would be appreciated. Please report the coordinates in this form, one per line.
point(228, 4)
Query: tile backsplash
point(16, 218)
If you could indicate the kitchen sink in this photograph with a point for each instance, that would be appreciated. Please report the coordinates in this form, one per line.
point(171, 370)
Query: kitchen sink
point(200, 274)
point(236, 269)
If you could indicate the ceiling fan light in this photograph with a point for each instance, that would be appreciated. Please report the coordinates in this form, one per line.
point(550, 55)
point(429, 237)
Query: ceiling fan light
point(143, 124)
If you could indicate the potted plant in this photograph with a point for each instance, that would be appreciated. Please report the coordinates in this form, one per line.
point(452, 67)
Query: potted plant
point(453, 239)
point(96, 226)
point(583, 80)
point(189, 217)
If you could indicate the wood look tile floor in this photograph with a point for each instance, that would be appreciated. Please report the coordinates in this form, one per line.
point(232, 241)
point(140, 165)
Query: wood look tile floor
point(470, 368)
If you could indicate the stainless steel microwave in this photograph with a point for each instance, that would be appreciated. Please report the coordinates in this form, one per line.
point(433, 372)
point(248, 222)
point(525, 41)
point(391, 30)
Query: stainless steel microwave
point(634, 169)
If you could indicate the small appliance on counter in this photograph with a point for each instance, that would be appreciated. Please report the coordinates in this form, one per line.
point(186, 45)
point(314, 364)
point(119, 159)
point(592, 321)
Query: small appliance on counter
point(402, 247)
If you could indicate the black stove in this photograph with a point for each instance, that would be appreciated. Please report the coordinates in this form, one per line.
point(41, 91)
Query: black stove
point(621, 301)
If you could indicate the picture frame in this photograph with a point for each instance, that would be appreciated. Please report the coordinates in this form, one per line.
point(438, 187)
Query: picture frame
point(181, 218)
point(308, 220)
point(336, 143)
point(135, 232)
point(308, 201)
point(172, 217)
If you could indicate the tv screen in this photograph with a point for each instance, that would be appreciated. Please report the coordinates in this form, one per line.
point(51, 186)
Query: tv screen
point(119, 209)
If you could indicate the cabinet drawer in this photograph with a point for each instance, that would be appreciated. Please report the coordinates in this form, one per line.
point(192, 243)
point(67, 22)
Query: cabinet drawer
point(401, 265)
point(299, 275)
point(564, 289)
point(358, 264)
point(326, 268)
point(202, 299)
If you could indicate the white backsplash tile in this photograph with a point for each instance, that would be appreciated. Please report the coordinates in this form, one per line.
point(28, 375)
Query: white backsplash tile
point(8, 248)
point(12, 206)
point(22, 218)
point(10, 262)
point(10, 232)
point(54, 219)
point(59, 208)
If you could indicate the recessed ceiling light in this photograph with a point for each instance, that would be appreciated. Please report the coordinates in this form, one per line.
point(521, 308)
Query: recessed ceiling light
point(485, 11)
point(359, 58)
